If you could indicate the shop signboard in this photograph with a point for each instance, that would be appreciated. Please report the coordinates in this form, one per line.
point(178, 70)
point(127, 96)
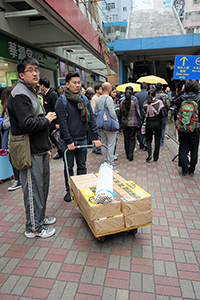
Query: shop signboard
point(14, 50)
point(61, 81)
point(187, 67)
point(12, 78)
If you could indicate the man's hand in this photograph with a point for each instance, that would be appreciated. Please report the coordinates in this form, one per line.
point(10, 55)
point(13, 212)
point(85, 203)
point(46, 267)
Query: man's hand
point(71, 146)
point(97, 143)
point(50, 156)
point(51, 116)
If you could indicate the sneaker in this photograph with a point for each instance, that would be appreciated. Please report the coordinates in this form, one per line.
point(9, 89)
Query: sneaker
point(49, 220)
point(57, 156)
point(115, 157)
point(44, 233)
point(30, 235)
point(148, 159)
point(115, 164)
point(67, 197)
point(16, 185)
point(183, 173)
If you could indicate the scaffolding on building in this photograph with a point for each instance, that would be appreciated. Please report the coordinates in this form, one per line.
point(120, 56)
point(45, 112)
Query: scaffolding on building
point(92, 9)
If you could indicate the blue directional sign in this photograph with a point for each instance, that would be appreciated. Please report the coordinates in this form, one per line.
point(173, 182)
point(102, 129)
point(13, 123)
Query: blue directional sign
point(187, 67)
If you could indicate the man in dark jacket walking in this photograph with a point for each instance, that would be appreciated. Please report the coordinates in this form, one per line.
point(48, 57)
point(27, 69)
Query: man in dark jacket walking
point(22, 105)
point(74, 112)
point(49, 99)
point(142, 97)
point(189, 141)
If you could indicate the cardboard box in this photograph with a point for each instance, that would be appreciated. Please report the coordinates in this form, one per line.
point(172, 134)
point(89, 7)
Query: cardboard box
point(134, 199)
point(80, 182)
point(107, 225)
point(139, 219)
point(94, 211)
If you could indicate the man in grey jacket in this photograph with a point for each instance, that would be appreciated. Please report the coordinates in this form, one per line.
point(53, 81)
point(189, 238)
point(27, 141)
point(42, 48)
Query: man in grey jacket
point(22, 105)
point(108, 138)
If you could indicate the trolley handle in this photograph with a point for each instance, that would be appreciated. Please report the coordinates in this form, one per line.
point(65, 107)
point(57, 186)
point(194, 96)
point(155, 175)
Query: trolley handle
point(66, 163)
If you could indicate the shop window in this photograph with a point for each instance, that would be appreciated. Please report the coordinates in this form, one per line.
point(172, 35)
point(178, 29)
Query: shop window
point(110, 6)
point(190, 30)
point(115, 18)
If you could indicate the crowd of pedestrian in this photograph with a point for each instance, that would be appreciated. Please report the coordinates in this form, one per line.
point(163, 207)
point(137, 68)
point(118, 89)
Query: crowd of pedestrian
point(67, 118)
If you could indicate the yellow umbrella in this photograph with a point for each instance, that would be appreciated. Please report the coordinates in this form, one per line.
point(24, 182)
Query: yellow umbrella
point(122, 87)
point(152, 79)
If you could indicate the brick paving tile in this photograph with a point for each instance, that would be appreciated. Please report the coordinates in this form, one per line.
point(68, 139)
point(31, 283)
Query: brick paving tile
point(141, 269)
point(182, 246)
point(141, 296)
point(24, 271)
point(166, 281)
point(72, 268)
point(41, 243)
point(189, 275)
point(10, 297)
point(116, 283)
point(142, 261)
point(90, 289)
point(86, 297)
point(161, 262)
point(66, 276)
point(37, 293)
point(3, 277)
point(167, 290)
point(118, 274)
point(41, 283)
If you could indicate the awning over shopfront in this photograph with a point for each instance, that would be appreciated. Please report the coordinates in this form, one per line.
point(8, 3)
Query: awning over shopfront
point(58, 27)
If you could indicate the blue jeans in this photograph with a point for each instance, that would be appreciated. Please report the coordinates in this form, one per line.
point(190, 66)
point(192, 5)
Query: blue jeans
point(81, 156)
point(163, 122)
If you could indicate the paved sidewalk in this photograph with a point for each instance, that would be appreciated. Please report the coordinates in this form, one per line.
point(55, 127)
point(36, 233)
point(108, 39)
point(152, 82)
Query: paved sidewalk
point(161, 262)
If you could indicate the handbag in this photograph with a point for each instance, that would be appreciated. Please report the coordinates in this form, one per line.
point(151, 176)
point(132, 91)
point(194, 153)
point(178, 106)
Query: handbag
point(143, 128)
point(20, 151)
point(104, 120)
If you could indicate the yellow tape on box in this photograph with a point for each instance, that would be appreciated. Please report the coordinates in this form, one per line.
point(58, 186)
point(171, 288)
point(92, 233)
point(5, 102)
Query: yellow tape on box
point(97, 211)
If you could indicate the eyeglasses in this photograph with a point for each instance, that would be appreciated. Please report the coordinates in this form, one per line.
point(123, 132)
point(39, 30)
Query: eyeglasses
point(31, 71)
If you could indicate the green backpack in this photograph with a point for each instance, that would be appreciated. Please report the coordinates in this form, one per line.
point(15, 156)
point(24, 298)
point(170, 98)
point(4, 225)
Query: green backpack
point(187, 117)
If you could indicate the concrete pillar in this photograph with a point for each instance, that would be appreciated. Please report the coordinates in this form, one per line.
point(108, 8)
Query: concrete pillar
point(120, 69)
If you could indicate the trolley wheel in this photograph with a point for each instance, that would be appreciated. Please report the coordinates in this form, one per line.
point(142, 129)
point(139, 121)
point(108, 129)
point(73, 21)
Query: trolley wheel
point(133, 231)
point(101, 239)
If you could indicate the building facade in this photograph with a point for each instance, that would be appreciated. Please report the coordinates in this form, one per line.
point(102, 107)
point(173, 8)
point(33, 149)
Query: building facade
point(115, 19)
point(191, 20)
